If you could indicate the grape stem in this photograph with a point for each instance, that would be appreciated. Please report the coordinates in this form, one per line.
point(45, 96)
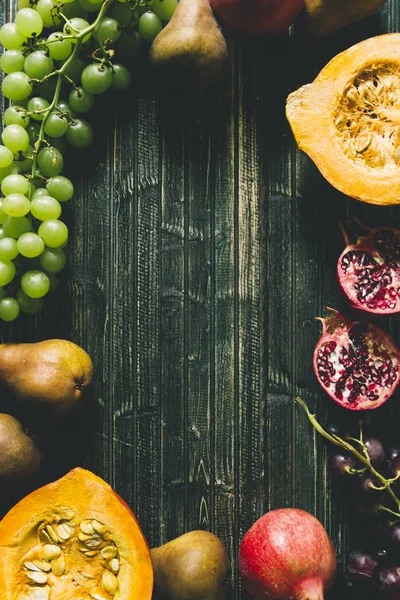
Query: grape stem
point(61, 74)
point(364, 459)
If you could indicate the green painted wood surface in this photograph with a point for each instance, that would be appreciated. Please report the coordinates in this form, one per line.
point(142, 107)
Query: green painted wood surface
point(202, 247)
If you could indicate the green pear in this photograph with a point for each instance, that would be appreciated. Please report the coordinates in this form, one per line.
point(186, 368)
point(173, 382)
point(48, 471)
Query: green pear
point(194, 566)
point(191, 46)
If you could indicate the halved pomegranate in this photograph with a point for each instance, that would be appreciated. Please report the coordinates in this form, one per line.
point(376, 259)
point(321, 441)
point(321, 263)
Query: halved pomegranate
point(369, 270)
point(356, 363)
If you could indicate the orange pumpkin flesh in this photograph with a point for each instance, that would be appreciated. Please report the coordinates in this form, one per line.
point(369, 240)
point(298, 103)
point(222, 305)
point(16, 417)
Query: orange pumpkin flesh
point(348, 120)
point(113, 549)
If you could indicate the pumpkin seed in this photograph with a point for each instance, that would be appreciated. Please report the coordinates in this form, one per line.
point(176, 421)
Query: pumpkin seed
point(99, 527)
point(45, 536)
point(109, 582)
point(50, 551)
point(94, 542)
point(84, 537)
point(89, 553)
point(40, 593)
point(37, 576)
point(65, 531)
point(52, 534)
point(108, 552)
point(31, 566)
point(58, 566)
point(113, 565)
point(363, 142)
point(86, 527)
point(42, 565)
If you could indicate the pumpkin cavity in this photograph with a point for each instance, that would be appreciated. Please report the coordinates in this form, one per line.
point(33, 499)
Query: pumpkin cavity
point(367, 118)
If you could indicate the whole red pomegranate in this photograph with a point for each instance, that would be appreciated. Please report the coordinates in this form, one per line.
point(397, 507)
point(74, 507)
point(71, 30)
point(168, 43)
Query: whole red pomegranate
point(287, 554)
point(257, 17)
point(369, 271)
point(356, 363)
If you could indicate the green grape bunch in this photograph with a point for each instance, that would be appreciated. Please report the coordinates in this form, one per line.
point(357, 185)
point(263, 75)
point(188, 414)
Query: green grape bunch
point(58, 56)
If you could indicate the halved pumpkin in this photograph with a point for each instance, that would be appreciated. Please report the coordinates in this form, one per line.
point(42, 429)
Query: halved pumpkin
point(348, 120)
point(74, 539)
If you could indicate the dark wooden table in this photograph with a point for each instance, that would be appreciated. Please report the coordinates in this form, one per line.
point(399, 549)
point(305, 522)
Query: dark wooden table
point(201, 250)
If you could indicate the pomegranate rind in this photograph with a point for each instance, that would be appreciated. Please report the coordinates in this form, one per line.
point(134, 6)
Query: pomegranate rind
point(380, 347)
point(312, 109)
point(390, 296)
point(287, 554)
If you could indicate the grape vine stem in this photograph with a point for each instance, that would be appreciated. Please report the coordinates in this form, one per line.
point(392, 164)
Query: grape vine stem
point(61, 74)
point(364, 459)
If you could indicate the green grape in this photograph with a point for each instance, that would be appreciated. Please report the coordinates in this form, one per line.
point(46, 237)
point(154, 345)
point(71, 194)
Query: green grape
point(75, 26)
point(11, 61)
point(56, 125)
point(14, 184)
point(59, 48)
point(37, 107)
point(33, 130)
point(124, 14)
point(164, 9)
point(39, 193)
point(75, 69)
point(16, 226)
point(60, 188)
point(8, 249)
point(65, 108)
point(38, 65)
point(50, 161)
point(6, 157)
point(7, 272)
point(35, 284)
point(80, 133)
point(46, 10)
point(16, 115)
point(23, 4)
point(53, 282)
point(96, 78)
point(60, 143)
point(109, 29)
point(16, 86)
point(30, 306)
point(30, 245)
point(39, 181)
point(54, 233)
point(46, 89)
point(74, 9)
point(80, 100)
point(144, 7)
point(16, 205)
point(15, 138)
point(149, 26)
point(52, 260)
point(11, 38)
point(90, 7)
point(129, 45)
point(121, 77)
point(45, 208)
point(5, 171)
point(25, 160)
point(9, 309)
point(29, 22)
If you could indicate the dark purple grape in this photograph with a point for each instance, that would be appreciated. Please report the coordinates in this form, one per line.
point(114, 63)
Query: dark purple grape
point(394, 534)
point(392, 454)
point(395, 465)
point(366, 484)
point(333, 429)
point(389, 580)
point(375, 450)
point(339, 463)
point(361, 565)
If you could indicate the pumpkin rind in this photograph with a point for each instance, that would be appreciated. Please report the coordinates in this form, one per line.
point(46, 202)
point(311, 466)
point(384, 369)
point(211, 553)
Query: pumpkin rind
point(314, 111)
point(85, 495)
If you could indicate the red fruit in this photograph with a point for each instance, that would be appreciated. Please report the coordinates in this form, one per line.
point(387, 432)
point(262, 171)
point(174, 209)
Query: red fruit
point(287, 554)
point(369, 271)
point(257, 17)
point(356, 363)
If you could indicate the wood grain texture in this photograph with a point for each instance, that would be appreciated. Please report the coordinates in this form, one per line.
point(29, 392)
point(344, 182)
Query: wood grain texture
point(203, 244)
